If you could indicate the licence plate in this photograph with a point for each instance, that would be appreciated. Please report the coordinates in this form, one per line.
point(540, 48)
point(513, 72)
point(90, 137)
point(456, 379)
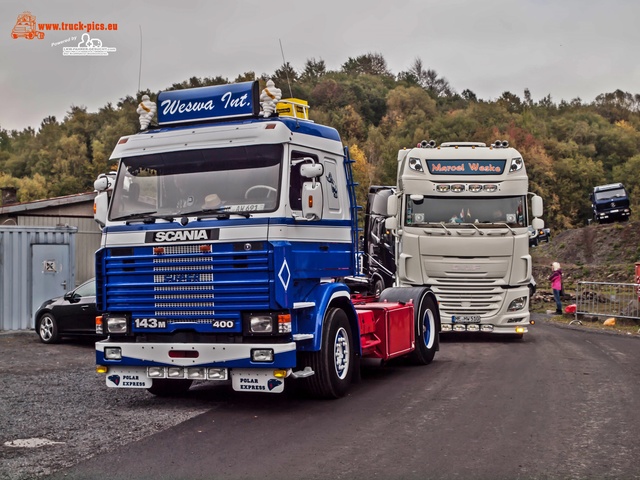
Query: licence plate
point(466, 319)
point(128, 378)
point(252, 380)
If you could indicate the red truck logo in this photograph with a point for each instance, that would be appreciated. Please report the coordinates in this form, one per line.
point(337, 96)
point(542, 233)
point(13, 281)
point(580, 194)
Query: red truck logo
point(26, 27)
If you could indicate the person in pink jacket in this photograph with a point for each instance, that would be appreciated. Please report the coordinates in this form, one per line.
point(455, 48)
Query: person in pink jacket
point(556, 285)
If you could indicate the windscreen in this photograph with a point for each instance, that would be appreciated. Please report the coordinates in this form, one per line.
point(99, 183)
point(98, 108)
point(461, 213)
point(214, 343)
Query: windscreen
point(460, 210)
point(227, 180)
point(610, 194)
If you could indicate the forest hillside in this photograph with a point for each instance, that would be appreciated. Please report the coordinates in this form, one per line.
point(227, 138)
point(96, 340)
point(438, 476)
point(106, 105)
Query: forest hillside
point(568, 146)
point(595, 253)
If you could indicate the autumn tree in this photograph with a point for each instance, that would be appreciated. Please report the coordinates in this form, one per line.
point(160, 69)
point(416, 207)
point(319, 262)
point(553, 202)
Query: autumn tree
point(370, 64)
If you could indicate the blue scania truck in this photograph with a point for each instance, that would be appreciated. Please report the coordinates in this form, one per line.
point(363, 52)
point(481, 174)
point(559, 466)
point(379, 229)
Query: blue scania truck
point(225, 236)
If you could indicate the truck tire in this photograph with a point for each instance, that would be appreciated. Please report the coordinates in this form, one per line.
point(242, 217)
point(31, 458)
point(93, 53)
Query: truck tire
point(378, 286)
point(426, 320)
point(163, 387)
point(334, 363)
point(427, 337)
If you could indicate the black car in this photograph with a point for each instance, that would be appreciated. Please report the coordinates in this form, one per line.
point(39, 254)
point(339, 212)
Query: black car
point(537, 236)
point(544, 235)
point(72, 314)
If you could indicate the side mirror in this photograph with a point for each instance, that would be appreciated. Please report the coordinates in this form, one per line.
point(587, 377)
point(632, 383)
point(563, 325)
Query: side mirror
point(537, 223)
point(312, 200)
point(536, 206)
point(391, 223)
point(392, 206)
point(104, 182)
point(314, 170)
point(100, 207)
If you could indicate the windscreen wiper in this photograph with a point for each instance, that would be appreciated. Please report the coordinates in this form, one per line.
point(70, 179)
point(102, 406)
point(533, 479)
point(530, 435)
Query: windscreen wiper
point(221, 213)
point(146, 217)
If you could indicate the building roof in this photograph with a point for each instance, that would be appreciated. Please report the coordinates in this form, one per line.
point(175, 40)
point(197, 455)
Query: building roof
point(47, 203)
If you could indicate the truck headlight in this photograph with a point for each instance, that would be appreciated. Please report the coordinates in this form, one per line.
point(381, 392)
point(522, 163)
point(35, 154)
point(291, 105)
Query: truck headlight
point(517, 304)
point(117, 324)
point(266, 323)
point(112, 353)
point(261, 324)
point(262, 355)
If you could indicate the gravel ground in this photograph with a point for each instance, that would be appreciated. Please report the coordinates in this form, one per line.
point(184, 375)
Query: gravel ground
point(52, 393)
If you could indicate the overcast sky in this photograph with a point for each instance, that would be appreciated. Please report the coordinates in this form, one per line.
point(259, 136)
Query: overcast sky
point(566, 48)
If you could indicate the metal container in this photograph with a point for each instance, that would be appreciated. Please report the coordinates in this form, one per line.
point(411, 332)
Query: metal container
point(36, 263)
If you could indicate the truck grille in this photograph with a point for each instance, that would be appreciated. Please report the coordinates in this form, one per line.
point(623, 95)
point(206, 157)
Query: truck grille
point(188, 283)
point(483, 300)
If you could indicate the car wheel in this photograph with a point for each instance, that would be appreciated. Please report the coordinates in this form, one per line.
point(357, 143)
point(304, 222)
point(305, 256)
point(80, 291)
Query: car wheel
point(48, 329)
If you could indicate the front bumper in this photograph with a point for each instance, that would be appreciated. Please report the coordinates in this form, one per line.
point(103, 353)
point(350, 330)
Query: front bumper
point(235, 355)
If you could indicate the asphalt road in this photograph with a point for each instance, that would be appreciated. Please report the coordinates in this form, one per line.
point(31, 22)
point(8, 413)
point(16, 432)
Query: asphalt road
point(562, 403)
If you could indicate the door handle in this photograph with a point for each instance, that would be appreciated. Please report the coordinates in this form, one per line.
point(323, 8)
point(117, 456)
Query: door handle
point(64, 284)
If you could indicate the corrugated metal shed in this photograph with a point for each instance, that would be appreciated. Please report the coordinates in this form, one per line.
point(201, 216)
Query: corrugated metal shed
point(72, 211)
point(87, 241)
point(36, 263)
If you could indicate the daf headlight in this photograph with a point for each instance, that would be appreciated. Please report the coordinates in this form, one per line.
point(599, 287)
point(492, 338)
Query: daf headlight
point(516, 164)
point(517, 304)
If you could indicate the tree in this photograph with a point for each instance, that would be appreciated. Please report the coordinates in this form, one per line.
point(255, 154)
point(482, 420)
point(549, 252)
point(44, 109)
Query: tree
point(284, 77)
point(32, 188)
point(408, 108)
point(616, 105)
point(249, 76)
point(574, 179)
point(511, 102)
point(469, 95)
point(627, 173)
point(371, 64)
point(429, 79)
point(313, 71)
point(363, 173)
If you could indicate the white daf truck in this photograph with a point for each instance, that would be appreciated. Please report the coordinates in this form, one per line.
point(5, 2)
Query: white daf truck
point(460, 217)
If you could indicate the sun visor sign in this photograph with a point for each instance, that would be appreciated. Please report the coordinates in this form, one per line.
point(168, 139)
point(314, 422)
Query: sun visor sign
point(209, 103)
point(172, 236)
point(466, 167)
